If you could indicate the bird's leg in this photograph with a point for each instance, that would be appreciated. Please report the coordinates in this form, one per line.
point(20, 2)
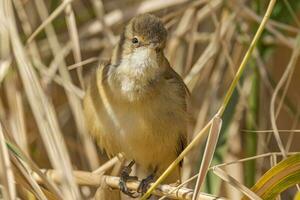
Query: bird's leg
point(126, 177)
point(143, 187)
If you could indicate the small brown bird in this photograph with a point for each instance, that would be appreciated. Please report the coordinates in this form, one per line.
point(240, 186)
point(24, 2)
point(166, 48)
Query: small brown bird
point(137, 104)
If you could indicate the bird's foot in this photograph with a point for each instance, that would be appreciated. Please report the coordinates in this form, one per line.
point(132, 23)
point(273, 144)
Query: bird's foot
point(124, 178)
point(143, 187)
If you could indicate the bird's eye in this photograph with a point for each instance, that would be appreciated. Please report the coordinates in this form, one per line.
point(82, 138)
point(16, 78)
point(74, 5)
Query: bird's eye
point(135, 40)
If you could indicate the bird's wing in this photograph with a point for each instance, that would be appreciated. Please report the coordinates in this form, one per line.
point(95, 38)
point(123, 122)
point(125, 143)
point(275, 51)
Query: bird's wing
point(93, 105)
point(170, 74)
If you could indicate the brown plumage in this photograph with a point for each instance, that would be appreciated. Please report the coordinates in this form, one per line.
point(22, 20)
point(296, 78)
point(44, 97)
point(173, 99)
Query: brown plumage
point(136, 104)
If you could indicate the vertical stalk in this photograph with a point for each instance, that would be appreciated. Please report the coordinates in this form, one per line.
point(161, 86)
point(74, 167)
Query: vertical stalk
point(250, 139)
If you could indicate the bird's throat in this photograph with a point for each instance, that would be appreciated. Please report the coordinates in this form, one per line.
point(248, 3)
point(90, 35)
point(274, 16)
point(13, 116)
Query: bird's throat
point(137, 72)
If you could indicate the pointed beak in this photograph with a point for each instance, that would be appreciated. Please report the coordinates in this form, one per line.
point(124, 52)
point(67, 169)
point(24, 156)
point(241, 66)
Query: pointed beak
point(154, 45)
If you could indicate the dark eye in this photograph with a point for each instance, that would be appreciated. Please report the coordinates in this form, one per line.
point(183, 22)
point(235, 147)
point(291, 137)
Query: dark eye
point(135, 40)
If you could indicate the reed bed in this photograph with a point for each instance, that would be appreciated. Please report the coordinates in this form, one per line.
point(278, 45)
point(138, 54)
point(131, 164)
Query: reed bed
point(238, 58)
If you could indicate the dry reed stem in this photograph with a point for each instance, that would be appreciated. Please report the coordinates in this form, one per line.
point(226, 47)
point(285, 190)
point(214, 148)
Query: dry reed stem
point(16, 118)
point(210, 147)
point(182, 27)
point(237, 185)
point(51, 70)
point(26, 26)
point(4, 67)
point(289, 78)
point(49, 19)
point(244, 11)
point(233, 135)
point(284, 93)
point(118, 15)
point(95, 180)
point(84, 62)
point(257, 18)
point(288, 70)
point(23, 176)
point(74, 101)
point(293, 14)
point(67, 85)
point(42, 109)
point(179, 186)
point(271, 131)
point(7, 181)
point(21, 157)
point(270, 155)
point(266, 80)
point(291, 136)
point(73, 33)
point(100, 13)
point(208, 54)
point(109, 164)
point(253, 158)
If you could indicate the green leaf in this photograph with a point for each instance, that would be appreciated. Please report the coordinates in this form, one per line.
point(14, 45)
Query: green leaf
point(279, 178)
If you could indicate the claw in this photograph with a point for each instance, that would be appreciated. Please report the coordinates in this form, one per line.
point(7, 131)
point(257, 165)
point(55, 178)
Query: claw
point(126, 177)
point(143, 187)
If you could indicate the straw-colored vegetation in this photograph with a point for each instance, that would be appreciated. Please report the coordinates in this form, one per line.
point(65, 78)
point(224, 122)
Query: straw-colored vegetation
point(238, 58)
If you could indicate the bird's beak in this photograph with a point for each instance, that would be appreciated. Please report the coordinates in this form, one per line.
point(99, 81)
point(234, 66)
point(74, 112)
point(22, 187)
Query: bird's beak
point(154, 45)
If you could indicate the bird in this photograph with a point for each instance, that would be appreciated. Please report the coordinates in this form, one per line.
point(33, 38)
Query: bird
point(136, 104)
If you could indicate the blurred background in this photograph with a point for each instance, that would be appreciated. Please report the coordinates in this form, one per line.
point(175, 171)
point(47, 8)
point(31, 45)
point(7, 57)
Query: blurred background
point(48, 48)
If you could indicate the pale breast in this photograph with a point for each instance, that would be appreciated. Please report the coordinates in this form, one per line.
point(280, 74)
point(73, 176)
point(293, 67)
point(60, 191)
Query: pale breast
point(148, 133)
point(146, 130)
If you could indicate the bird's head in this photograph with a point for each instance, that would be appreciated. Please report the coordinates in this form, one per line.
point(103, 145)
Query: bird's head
point(143, 38)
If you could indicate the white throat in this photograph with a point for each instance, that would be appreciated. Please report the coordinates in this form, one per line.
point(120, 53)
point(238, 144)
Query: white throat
point(142, 60)
point(136, 70)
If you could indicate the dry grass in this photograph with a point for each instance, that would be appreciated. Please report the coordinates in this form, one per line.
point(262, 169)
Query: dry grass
point(47, 48)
